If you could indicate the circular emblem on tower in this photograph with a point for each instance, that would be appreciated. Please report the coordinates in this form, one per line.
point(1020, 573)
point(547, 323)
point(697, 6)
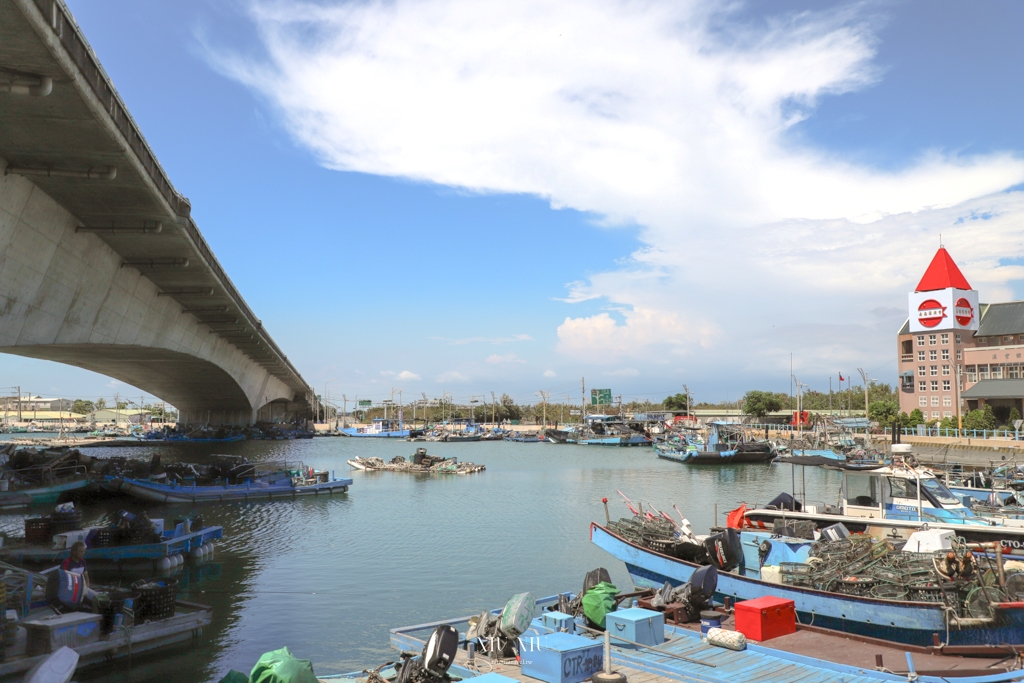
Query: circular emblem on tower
point(930, 313)
point(963, 312)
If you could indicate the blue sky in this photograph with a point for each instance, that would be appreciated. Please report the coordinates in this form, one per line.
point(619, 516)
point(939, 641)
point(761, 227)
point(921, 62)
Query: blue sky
point(470, 197)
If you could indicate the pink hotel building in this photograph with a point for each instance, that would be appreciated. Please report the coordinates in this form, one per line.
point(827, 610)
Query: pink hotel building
point(956, 355)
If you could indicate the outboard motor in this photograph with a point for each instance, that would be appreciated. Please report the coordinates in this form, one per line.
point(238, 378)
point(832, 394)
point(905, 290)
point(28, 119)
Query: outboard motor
point(724, 550)
point(695, 595)
point(431, 666)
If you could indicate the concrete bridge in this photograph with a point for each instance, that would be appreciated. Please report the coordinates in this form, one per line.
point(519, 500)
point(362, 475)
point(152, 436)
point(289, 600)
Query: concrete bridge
point(101, 265)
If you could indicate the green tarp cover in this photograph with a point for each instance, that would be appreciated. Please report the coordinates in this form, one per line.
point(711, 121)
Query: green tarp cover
point(279, 666)
point(599, 601)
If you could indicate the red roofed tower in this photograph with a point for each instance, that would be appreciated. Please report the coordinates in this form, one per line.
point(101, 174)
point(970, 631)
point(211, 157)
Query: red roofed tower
point(943, 299)
point(942, 273)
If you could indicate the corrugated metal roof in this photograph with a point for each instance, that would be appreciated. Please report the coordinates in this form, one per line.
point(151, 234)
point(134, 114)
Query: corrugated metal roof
point(906, 327)
point(999, 319)
point(996, 388)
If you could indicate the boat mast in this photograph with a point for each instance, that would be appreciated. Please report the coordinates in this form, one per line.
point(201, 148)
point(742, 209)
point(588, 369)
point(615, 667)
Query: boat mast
point(583, 401)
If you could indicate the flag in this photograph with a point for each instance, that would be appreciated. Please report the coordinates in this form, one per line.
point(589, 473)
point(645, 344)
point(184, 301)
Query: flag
point(841, 379)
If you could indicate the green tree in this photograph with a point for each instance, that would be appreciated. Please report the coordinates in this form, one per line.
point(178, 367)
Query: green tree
point(509, 409)
point(677, 402)
point(1014, 416)
point(760, 403)
point(884, 411)
point(904, 419)
point(81, 407)
point(916, 417)
point(979, 419)
point(101, 403)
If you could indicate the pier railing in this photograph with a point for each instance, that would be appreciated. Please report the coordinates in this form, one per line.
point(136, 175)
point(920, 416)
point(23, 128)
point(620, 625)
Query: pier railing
point(952, 433)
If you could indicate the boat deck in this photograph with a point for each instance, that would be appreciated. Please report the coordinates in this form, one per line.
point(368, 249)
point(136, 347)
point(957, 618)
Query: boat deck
point(807, 656)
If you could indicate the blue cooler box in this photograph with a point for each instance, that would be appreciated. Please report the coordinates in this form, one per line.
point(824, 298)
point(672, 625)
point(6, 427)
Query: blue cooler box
point(561, 657)
point(557, 621)
point(643, 626)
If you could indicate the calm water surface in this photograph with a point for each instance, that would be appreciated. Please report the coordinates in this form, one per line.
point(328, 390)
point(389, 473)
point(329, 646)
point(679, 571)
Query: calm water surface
point(328, 577)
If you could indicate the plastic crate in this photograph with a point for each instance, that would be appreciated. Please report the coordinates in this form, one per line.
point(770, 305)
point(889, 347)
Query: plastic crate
point(63, 522)
point(156, 599)
point(37, 530)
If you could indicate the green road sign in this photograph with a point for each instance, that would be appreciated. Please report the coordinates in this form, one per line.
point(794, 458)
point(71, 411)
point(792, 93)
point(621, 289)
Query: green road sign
point(600, 397)
point(365, 404)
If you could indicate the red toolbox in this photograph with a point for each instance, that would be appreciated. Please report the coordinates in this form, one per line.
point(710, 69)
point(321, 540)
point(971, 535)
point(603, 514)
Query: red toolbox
point(765, 618)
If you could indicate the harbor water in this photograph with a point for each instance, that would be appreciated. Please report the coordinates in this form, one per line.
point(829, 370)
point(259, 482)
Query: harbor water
point(329, 576)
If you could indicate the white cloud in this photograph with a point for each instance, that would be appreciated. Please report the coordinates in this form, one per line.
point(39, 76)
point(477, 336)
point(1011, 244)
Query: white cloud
point(452, 376)
point(675, 116)
point(403, 375)
point(550, 373)
point(495, 359)
point(623, 372)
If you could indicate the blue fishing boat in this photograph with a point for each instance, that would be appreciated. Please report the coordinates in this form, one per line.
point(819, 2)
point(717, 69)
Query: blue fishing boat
point(32, 476)
point(726, 444)
point(809, 656)
point(172, 544)
point(608, 430)
point(901, 621)
point(380, 428)
point(268, 481)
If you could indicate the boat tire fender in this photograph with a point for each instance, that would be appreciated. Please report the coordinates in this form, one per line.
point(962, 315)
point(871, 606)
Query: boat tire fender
point(613, 677)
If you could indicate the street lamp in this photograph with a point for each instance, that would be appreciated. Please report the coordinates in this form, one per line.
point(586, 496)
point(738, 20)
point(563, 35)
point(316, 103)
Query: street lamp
point(325, 396)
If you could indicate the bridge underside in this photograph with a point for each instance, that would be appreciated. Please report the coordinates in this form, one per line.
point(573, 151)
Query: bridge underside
point(187, 382)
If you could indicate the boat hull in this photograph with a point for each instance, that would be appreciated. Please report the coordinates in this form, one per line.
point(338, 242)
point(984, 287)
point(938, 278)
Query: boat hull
point(41, 494)
point(163, 493)
point(716, 458)
point(912, 623)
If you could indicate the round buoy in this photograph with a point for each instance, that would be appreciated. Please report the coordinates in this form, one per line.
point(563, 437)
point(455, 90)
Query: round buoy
point(178, 560)
point(209, 548)
point(613, 677)
point(163, 564)
point(196, 553)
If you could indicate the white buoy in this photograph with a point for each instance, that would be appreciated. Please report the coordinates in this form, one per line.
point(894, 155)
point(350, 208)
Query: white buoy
point(196, 553)
point(209, 548)
point(178, 560)
point(163, 564)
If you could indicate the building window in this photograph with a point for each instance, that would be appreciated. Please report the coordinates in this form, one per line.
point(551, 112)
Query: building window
point(947, 400)
point(1013, 372)
point(958, 339)
point(920, 355)
point(933, 355)
point(947, 413)
point(935, 371)
point(935, 400)
point(1007, 338)
point(922, 370)
point(945, 370)
point(982, 341)
point(922, 400)
point(931, 340)
point(935, 387)
point(972, 373)
point(983, 371)
point(945, 387)
point(945, 354)
point(997, 372)
point(945, 338)
point(920, 340)
point(923, 386)
point(959, 354)
point(935, 415)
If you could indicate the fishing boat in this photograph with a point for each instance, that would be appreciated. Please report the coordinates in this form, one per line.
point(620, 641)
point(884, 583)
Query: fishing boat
point(267, 481)
point(608, 430)
point(96, 638)
point(744, 555)
point(520, 437)
point(811, 655)
point(420, 463)
point(726, 444)
point(39, 476)
point(165, 549)
point(893, 501)
point(380, 428)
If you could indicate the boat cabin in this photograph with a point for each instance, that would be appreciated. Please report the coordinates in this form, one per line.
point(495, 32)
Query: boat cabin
point(900, 492)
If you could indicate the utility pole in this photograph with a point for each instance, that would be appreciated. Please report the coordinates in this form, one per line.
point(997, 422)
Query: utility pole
point(867, 429)
point(492, 409)
point(687, 390)
point(544, 397)
point(583, 400)
point(959, 412)
point(19, 404)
